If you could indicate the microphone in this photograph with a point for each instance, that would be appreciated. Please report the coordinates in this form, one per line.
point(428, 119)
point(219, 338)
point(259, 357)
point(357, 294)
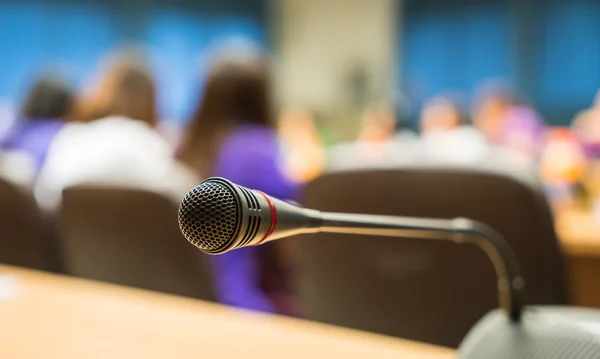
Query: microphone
point(218, 216)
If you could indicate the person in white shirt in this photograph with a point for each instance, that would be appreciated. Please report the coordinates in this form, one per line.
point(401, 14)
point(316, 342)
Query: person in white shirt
point(378, 144)
point(446, 140)
point(115, 141)
point(445, 135)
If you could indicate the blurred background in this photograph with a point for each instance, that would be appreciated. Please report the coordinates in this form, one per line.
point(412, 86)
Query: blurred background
point(71, 37)
point(154, 96)
point(412, 49)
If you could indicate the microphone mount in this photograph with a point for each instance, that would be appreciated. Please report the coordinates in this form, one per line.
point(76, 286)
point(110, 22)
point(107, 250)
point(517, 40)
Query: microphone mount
point(218, 216)
point(459, 230)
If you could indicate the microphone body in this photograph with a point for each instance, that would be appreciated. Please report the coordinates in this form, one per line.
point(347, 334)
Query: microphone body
point(218, 216)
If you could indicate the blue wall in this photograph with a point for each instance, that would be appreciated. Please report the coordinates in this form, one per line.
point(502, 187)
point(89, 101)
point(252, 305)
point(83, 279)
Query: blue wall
point(72, 36)
point(550, 50)
point(568, 53)
point(453, 48)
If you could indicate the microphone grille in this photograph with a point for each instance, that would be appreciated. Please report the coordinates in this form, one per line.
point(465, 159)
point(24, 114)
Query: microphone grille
point(208, 216)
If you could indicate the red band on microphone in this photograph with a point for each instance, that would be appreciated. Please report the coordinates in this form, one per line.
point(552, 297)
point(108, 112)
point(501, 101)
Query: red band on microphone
point(273, 217)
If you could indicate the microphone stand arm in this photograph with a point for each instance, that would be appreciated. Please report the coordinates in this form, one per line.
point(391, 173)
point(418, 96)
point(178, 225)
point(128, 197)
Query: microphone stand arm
point(459, 230)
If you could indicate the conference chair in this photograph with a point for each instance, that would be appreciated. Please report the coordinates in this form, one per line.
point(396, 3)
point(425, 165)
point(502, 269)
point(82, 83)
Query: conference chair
point(422, 289)
point(22, 229)
point(130, 237)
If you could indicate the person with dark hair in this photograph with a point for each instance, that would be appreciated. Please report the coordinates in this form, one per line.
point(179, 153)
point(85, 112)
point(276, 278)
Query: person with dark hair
point(232, 135)
point(50, 97)
point(114, 139)
point(46, 108)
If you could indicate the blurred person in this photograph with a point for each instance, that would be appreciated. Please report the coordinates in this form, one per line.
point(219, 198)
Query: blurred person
point(378, 143)
point(124, 87)
point(523, 132)
point(171, 131)
point(303, 149)
point(440, 114)
point(508, 122)
point(378, 124)
point(445, 134)
point(586, 127)
point(490, 110)
point(114, 140)
point(562, 166)
point(232, 135)
point(7, 117)
point(46, 108)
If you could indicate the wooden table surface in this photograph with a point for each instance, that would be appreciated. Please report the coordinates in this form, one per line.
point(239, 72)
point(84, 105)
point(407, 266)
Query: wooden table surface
point(579, 234)
point(48, 316)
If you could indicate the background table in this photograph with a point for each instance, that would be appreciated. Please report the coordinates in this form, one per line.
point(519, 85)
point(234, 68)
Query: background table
point(579, 233)
point(51, 317)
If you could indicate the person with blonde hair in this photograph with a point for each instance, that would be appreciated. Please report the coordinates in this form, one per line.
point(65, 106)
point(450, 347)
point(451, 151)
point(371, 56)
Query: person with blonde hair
point(304, 151)
point(125, 88)
point(114, 139)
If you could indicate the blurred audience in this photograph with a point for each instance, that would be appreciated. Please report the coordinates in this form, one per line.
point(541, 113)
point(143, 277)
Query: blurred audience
point(303, 149)
point(47, 106)
point(377, 144)
point(114, 140)
point(446, 136)
point(232, 135)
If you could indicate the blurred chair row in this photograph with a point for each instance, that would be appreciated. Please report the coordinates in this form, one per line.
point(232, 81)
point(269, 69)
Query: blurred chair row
point(425, 290)
point(430, 291)
point(123, 236)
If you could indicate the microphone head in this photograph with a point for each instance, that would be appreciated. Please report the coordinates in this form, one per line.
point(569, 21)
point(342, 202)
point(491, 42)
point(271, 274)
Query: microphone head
point(209, 215)
point(217, 216)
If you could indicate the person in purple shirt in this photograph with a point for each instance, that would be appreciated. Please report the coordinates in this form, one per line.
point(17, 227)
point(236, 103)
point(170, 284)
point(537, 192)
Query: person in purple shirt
point(231, 135)
point(44, 111)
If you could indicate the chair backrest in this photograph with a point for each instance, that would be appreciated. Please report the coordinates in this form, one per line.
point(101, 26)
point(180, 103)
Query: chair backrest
point(130, 237)
point(427, 290)
point(22, 239)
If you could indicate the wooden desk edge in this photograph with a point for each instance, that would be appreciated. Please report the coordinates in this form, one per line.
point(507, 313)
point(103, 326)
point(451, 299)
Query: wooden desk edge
point(43, 279)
